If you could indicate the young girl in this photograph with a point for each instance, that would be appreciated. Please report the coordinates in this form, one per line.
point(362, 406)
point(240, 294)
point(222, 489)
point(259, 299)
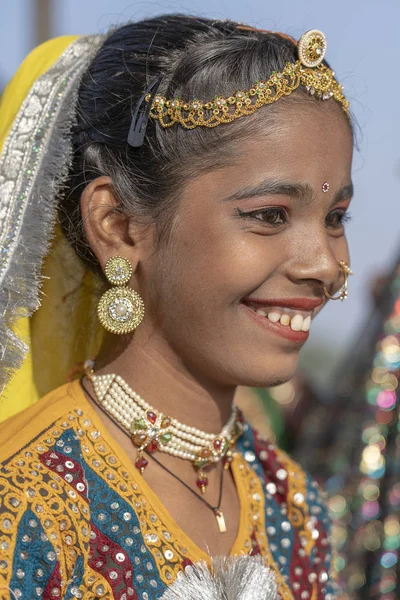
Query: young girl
point(190, 178)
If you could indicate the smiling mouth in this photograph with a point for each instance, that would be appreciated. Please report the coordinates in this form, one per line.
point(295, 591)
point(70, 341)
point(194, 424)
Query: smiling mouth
point(290, 318)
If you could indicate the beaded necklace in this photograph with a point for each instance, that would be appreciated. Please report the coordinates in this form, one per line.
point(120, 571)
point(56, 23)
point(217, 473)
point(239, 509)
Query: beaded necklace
point(219, 515)
point(152, 431)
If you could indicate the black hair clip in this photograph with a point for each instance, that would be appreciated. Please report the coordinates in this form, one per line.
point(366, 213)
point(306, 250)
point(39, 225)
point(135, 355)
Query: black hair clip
point(141, 115)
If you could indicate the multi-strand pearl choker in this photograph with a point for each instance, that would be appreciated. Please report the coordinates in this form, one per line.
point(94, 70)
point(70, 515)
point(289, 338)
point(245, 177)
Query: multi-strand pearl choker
point(151, 430)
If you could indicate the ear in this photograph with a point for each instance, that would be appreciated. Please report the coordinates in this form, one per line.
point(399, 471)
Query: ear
point(108, 230)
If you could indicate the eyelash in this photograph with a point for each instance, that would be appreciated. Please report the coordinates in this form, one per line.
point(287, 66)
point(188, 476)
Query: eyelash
point(276, 212)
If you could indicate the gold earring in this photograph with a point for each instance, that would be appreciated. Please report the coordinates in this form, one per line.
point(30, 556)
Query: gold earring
point(120, 309)
point(342, 294)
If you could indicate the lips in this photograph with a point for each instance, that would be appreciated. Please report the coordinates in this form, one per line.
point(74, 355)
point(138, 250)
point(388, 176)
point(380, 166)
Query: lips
point(289, 317)
point(303, 304)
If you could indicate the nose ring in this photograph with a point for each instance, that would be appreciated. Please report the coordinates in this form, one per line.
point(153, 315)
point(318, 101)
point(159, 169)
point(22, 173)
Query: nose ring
point(342, 293)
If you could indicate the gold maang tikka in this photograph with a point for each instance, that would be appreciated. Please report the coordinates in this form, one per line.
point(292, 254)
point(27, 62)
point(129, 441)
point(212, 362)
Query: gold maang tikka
point(307, 72)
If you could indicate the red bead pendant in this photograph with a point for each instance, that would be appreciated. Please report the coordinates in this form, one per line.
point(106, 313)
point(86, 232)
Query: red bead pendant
point(151, 416)
point(141, 463)
point(153, 446)
point(202, 482)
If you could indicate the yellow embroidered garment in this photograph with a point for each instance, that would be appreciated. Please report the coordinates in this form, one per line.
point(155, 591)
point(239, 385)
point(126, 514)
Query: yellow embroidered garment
point(78, 520)
point(64, 330)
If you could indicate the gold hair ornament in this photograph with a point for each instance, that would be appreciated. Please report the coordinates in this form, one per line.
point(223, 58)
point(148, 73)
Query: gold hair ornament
point(307, 72)
point(342, 294)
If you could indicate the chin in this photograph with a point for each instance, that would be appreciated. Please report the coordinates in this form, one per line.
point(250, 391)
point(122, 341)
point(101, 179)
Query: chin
point(268, 374)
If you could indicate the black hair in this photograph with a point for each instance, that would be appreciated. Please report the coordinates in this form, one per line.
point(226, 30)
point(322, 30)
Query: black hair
point(199, 58)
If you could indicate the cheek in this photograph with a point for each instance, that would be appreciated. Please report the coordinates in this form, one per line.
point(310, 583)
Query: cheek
point(228, 267)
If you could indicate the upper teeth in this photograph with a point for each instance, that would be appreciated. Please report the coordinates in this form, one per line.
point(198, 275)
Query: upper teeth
point(296, 322)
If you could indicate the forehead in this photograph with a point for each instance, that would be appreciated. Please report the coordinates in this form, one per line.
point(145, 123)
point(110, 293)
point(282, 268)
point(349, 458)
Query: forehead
point(302, 140)
point(306, 142)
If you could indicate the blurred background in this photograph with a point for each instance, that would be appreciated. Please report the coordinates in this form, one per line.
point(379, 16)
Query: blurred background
point(363, 46)
point(340, 416)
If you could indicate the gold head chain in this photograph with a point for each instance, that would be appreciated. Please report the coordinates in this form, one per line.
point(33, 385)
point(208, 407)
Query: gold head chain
point(308, 72)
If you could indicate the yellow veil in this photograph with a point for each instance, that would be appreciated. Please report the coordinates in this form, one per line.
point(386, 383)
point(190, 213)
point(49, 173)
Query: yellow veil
point(64, 330)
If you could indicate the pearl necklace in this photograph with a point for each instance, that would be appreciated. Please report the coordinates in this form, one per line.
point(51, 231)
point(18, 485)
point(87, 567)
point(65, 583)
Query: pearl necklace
point(151, 430)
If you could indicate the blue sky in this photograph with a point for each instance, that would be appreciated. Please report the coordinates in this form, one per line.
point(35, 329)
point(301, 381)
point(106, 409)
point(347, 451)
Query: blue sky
point(363, 48)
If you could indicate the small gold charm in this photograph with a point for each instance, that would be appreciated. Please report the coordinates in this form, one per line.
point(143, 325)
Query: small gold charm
point(219, 515)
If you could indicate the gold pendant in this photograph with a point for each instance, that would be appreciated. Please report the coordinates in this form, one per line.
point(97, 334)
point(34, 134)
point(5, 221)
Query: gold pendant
point(220, 521)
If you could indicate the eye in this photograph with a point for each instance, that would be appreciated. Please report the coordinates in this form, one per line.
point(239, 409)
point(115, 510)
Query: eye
point(337, 218)
point(271, 216)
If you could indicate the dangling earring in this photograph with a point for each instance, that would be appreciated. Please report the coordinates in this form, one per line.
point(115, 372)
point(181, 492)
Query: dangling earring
point(120, 309)
point(342, 294)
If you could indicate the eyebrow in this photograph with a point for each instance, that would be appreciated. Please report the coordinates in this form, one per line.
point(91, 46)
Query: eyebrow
point(299, 191)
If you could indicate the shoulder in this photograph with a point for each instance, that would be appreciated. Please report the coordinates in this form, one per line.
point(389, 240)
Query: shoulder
point(291, 492)
point(18, 431)
point(284, 477)
point(275, 463)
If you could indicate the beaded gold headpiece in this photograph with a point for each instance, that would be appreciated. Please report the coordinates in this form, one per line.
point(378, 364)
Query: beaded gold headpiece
point(308, 72)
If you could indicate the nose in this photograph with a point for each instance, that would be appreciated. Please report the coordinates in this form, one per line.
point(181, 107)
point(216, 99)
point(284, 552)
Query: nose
point(317, 264)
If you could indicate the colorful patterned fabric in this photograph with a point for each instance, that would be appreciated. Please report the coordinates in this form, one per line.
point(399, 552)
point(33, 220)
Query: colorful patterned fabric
point(77, 520)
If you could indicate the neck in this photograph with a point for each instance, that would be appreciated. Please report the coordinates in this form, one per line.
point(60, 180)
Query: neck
point(162, 380)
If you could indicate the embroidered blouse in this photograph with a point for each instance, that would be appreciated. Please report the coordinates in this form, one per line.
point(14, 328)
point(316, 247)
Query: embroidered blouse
point(77, 520)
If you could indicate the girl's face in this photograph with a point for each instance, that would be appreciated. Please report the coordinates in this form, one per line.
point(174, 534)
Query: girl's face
point(252, 248)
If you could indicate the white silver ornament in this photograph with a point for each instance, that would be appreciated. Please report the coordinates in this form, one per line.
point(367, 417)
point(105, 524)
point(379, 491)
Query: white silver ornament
point(231, 578)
